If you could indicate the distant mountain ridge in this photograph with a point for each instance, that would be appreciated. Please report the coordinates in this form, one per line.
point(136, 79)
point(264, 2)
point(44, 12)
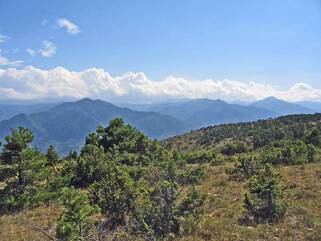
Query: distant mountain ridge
point(282, 107)
point(9, 110)
point(315, 106)
point(67, 124)
point(204, 112)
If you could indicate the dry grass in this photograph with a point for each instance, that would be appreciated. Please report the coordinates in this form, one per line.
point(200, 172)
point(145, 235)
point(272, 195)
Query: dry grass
point(25, 226)
point(224, 208)
point(222, 213)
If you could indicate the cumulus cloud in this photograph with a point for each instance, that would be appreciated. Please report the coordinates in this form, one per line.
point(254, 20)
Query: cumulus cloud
point(48, 49)
point(3, 38)
point(31, 52)
point(69, 26)
point(6, 62)
point(35, 83)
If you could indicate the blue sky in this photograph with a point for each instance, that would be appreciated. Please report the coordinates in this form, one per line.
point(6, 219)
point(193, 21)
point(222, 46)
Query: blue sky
point(271, 42)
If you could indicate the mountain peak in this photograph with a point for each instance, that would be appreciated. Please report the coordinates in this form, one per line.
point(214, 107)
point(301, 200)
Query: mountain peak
point(85, 100)
point(281, 107)
point(272, 98)
point(206, 100)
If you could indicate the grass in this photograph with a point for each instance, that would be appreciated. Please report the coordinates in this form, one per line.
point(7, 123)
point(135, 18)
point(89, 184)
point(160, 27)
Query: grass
point(30, 225)
point(223, 210)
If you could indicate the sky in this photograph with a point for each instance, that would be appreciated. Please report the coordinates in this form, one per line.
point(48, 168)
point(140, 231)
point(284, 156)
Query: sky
point(142, 50)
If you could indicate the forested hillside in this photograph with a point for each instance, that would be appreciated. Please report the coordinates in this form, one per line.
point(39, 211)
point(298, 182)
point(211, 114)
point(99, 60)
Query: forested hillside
point(67, 125)
point(246, 181)
point(250, 136)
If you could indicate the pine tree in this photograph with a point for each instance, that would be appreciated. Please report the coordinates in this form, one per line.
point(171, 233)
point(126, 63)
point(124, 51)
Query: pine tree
point(17, 156)
point(265, 201)
point(52, 155)
point(14, 150)
point(77, 222)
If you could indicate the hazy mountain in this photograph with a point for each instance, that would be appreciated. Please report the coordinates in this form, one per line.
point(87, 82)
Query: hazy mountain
point(9, 110)
point(67, 124)
point(205, 112)
point(315, 106)
point(282, 107)
point(156, 106)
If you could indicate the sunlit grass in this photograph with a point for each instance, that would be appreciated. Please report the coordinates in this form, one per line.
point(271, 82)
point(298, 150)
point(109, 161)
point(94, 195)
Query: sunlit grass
point(223, 210)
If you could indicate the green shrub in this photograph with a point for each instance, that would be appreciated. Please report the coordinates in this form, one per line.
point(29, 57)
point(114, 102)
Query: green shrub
point(264, 202)
point(77, 222)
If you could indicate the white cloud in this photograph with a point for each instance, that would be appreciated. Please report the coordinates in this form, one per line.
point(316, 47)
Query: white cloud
point(31, 52)
point(3, 38)
point(69, 26)
point(48, 49)
point(6, 62)
point(35, 83)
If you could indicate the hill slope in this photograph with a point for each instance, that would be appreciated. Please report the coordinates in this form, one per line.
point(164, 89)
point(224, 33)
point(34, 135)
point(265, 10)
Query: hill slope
point(223, 215)
point(67, 124)
point(261, 132)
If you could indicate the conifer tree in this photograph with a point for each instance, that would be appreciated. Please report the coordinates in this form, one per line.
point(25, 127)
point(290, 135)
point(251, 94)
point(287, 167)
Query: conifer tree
point(77, 222)
point(52, 155)
point(265, 201)
point(14, 150)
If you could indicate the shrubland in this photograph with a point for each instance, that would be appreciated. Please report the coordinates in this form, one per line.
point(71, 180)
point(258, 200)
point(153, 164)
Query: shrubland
point(246, 181)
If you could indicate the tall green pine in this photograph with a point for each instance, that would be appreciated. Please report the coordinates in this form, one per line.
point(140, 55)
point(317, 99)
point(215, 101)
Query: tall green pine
point(52, 155)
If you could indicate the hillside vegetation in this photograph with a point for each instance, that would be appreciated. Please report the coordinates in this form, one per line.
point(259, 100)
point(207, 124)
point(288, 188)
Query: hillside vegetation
point(247, 181)
point(249, 135)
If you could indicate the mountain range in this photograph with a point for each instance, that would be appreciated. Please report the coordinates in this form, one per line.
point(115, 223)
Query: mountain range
point(204, 112)
point(9, 110)
point(65, 125)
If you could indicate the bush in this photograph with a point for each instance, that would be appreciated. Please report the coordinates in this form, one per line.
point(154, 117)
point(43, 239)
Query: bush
point(234, 148)
point(245, 167)
point(193, 175)
point(77, 222)
point(195, 157)
point(264, 202)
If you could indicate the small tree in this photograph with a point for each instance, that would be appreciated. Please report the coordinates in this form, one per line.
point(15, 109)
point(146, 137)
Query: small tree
point(314, 137)
point(265, 201)
point(115, 195)
point(89, 167)
point(77, 222)
point(18, 157)
point(13, 151)
point(52, 155)
point(311, 153)
point(245, 167)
